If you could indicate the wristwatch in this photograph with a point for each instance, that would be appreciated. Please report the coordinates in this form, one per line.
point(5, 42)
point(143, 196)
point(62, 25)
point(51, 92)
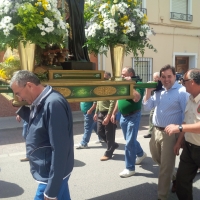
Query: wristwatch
point(180, 128)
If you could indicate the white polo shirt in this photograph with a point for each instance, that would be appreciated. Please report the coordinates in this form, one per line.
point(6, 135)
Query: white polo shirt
point(192, 115)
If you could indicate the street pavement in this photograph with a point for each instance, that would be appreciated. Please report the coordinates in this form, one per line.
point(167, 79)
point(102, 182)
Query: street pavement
point(91, 178)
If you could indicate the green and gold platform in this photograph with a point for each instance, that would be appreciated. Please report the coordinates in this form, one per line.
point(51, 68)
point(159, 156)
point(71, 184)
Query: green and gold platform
point(86, 85)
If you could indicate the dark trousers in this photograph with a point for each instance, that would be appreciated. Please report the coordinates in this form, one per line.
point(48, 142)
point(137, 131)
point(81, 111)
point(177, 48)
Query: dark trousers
point(187, 170)
point(107, 133)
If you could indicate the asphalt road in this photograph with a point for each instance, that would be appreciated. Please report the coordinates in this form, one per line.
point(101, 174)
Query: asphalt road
point(91, 178)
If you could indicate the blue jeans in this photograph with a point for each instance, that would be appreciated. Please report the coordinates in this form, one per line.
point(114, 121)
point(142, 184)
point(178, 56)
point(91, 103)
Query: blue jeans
point(24, 130)
point(89, 125)
point(130, 125)
point(62, 195)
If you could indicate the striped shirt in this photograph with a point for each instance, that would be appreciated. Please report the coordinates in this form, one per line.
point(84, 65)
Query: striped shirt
point(169, 105)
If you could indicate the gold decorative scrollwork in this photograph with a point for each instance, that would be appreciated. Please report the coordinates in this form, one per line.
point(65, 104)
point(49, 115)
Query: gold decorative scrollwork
point(64, 91)
point(104, 90)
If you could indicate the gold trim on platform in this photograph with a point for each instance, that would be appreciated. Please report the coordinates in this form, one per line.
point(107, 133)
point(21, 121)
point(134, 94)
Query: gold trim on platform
point(97, 99)
point(78, 75)
point(64, 91)
point(105, 90)
point(57, 83)
point(8, 97)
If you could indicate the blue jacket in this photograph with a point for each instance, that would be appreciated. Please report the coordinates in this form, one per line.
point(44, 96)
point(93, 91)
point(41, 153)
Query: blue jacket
point(49, 142)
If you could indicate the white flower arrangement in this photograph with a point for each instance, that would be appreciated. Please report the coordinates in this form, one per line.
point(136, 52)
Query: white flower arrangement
point(112, 22)
point(37, 21)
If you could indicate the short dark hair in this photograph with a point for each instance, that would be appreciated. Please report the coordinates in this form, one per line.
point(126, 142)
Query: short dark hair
point(108, 74)
point(21, 77)
point(194, 74)
point(166, 67)
point(130, 70)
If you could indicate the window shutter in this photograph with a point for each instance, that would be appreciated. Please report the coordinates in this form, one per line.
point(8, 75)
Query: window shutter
point(180, 6)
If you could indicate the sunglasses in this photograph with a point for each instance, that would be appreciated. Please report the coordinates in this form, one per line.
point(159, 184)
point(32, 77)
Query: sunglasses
point(184, 80)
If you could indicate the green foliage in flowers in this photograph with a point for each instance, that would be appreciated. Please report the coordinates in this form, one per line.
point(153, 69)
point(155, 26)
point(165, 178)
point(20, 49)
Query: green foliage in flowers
point(113, 22)
point(30, 18)
point(38, 21)
point(8, 67)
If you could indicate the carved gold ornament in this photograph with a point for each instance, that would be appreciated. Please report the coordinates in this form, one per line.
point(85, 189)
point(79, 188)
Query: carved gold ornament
point(105, 90)
point(64, 91)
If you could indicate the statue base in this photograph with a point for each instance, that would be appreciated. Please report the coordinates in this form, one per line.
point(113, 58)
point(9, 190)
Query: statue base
point(78, 65)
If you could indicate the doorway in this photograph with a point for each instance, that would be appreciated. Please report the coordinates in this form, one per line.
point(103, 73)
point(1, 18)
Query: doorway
point(181, 64)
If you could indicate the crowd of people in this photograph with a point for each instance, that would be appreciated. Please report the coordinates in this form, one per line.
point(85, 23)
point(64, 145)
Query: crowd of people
point(174, 123)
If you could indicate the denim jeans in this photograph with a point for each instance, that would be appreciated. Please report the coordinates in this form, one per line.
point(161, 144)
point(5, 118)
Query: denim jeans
point(130, 125)
point(24, 130)
point(89, 125)
point(62, 195)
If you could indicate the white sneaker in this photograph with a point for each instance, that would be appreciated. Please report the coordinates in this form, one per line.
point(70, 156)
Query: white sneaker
point(126, 173)
point(80, 146)
point(140, 159)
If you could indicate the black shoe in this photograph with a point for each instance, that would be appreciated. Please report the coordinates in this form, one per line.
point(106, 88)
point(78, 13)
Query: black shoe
point(173, 189)
point(147, 136)
point(116, 145)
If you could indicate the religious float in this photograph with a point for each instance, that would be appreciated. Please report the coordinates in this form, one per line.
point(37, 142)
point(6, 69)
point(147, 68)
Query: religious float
point(52, 38)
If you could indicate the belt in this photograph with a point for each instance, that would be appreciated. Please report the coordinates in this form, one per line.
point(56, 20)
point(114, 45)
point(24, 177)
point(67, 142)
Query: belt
point(192, 145)
point(131, 113)
point(160, 128)
point(104, 112)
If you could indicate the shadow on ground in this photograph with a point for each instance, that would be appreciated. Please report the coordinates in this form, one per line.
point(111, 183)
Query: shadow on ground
point(8, 190)
point(11, 136)
point(139, 192)
point(144, 191)
point(78, 163)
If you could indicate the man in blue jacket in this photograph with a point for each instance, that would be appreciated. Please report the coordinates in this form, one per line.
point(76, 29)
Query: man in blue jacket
point(49, 138)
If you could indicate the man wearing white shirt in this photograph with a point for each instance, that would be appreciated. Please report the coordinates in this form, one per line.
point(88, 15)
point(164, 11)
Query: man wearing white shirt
point(190, 156)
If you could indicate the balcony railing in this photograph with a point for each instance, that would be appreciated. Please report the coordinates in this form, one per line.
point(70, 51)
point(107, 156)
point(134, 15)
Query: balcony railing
point(144, 10)
point(181, 16)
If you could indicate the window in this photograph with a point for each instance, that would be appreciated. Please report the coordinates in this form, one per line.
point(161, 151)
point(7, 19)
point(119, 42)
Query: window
point(181, 10)
point(143, 6)
point(143, 68)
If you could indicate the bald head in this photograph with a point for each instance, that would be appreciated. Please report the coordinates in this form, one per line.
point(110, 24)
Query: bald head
point(156, 76)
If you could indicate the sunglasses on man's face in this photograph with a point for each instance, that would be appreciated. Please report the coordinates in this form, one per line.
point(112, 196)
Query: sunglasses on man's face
point(184, 80)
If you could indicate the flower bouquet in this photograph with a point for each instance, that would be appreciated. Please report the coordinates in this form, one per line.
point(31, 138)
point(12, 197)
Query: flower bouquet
point(113, 22)
point(36, 21)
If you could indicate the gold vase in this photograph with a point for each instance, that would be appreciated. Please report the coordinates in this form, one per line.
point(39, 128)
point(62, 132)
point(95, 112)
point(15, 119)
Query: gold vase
point(27, 55)
point(117, 53)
